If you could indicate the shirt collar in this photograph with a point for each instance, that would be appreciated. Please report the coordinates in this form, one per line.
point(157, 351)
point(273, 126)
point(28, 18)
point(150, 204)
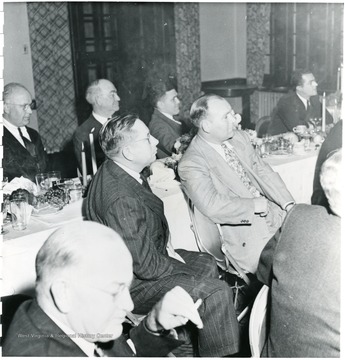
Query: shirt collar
point(217, 147)
point(305, 101)
point(87, 347)
point(14, 130)
point(99, 118)
point(131, 172)
point(170, 117)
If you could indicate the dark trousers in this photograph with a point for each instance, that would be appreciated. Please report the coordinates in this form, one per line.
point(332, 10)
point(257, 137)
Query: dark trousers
point(220, 334)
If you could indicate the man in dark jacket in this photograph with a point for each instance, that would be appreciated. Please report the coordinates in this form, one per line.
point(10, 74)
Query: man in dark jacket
point(84, 272)
point(24, 154)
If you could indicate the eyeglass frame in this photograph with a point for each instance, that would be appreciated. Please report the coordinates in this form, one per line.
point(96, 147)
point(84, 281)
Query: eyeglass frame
point(26, 107)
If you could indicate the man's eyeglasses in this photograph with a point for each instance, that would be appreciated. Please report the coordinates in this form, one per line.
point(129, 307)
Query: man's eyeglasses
point(148, 138)
point(25, 107)
point(114, 294)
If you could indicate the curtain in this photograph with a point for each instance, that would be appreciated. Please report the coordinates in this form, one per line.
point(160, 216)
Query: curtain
point(53, 72)
point(258, 28)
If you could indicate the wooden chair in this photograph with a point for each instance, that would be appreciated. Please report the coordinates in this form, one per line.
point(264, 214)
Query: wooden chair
point(209, 239)
point(258, 322)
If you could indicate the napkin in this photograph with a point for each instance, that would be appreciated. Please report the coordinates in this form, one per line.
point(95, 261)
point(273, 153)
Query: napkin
point(162, 177)
point(20, 183)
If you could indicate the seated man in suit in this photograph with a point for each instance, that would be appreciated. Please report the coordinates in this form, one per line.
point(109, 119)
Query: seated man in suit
point(163, 126)
point(230, 184)
point(301, 264)
point(120, 197)
point(333, 141)
point(84, 272)
point(24, 154)
point(298, 107)
point(103, 97)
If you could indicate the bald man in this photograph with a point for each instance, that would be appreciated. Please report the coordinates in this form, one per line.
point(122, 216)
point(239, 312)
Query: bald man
point(84, 272)
point(24, 154)
point(102, 95)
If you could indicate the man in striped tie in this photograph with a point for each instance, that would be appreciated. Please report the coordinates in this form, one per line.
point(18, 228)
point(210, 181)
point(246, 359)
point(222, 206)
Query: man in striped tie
point(24, 154)
point(230, 184)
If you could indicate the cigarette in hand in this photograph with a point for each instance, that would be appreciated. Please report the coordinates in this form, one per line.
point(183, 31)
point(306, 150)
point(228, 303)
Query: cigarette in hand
point(198, 303)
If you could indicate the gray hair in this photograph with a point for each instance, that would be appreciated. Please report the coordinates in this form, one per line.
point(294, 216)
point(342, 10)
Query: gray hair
point(115, 133)
point(93, 90)
point(11, 88)
point(331, 180)
point(199, 109)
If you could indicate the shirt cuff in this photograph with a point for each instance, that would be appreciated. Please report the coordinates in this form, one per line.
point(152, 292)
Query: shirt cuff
point(288, 204)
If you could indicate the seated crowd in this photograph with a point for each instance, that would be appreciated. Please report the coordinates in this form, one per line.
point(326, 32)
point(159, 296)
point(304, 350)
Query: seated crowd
point(92, 274)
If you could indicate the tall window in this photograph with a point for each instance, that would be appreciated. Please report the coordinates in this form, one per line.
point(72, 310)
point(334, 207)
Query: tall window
point(305, 35)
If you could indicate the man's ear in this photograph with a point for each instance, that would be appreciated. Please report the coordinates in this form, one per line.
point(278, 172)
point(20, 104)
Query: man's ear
point(127, 153)
point(205, 126)
point(299, 87)
point(160, 105)
point(60, 291)
point(6, 108)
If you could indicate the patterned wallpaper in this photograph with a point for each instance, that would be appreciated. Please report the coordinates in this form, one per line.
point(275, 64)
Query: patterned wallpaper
point(187, 54)
point(258, 27)
point(53, 72)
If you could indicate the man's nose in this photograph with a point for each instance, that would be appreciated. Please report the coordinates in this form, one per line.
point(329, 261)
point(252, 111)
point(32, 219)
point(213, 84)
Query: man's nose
point(127, 301)
point(117, 97)
point(154, 141)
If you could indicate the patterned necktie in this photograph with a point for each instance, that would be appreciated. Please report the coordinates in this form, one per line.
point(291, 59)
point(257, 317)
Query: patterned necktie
point(235, 164)
point(30, 147)
point(145, 184)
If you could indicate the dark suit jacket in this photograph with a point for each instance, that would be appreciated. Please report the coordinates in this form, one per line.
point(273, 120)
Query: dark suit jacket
point(17, 160)
point(301, 264)
point(333, 141)
point(82, 135)
point(166, 131)
point(33, 333)
point(117, 200)
point(290, 112)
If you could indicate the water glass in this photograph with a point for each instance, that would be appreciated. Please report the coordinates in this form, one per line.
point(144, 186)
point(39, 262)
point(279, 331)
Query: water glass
point(18, 208)
point(54, 176)
point(42, 182)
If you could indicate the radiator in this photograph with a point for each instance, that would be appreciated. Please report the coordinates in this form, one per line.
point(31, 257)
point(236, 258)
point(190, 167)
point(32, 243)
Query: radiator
point(267, 102)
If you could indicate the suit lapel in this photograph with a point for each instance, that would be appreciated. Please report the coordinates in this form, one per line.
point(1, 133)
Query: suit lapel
point(221, 169)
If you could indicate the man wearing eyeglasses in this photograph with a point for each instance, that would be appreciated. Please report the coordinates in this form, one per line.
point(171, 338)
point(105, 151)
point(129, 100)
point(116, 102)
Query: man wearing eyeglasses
point(300, 107)
point(102, 95)
point(24, 154)
point(84, 273)
point(120, 197)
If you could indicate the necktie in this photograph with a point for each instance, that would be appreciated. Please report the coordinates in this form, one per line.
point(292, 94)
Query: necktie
point(145, 183)
point(235, 164)
point(308, 106)
point(30, 147)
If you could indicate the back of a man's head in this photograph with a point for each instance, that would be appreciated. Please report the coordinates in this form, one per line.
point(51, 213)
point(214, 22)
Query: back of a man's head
point(116, 132)
point(331, 178)
point(199, 109)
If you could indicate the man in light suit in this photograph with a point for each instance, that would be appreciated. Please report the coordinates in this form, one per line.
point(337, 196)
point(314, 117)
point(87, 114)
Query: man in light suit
point(84, 272)
point(120, 198)
point(249, 201)
point(301, 265)
point(298, 107)
point(24, 154)
point(103, 97)
point(163, 126)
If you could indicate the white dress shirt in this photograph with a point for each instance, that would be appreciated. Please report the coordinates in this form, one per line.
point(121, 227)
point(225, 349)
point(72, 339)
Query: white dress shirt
point(170, 117)
point(304, 101)
point(15, 132)
point(100, 118)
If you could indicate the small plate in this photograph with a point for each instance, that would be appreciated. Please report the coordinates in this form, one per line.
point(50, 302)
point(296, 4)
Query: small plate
point(45, 211)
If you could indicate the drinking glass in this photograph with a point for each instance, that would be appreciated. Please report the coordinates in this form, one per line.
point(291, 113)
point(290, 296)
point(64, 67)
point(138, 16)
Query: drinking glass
point(42, 182)
point(18, 207)
point(54, 176)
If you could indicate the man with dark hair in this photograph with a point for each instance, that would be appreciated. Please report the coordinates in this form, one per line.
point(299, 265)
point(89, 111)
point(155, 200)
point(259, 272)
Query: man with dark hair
point(298, 107)
point(163, 126)
point(84, 272)
point(301, 265)
point(24, 154)
point(120, 197)
point(103, 97)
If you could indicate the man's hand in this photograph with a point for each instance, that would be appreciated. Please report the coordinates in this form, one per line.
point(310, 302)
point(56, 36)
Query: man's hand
point(175, 309)
point(261, 206)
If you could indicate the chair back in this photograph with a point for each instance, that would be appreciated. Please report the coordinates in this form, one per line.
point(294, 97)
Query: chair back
point(207, 235)
point(262, 126)
point(258, 322)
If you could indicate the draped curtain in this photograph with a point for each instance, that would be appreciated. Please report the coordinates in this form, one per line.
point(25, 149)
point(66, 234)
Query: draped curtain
point(52, 72)
point(187, 34)
point(258, 28)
